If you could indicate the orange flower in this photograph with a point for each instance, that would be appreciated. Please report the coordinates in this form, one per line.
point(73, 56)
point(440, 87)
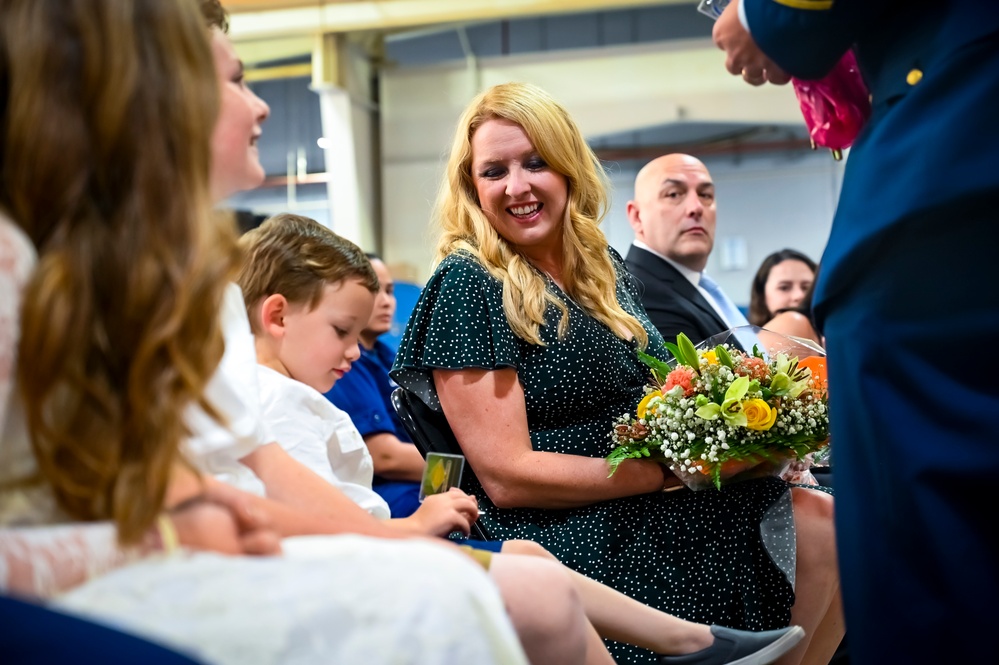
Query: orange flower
point(818, 366)
point(754, 368)
point(682, 376)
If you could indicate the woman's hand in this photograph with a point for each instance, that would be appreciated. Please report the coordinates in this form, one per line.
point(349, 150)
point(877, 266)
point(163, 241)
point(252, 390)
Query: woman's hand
point(223, 520)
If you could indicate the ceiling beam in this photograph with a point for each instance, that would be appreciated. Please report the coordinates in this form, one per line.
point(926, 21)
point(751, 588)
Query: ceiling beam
point(262, 19)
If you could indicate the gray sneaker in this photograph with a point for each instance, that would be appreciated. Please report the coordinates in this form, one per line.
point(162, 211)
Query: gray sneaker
point(741, 647)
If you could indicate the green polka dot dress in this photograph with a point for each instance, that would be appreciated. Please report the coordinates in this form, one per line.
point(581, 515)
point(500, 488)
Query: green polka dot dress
point(698, 555)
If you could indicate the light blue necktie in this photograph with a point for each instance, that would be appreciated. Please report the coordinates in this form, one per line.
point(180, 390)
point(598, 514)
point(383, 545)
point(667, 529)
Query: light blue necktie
point(733, 317)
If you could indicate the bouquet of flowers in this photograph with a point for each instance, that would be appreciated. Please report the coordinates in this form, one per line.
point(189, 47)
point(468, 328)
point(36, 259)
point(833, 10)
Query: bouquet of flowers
point(717, 414)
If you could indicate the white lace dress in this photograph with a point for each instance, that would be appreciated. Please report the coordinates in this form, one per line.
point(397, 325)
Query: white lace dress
point(343, 599)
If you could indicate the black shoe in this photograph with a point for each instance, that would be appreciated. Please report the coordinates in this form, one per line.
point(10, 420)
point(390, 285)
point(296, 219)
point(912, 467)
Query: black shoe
point(741, 647)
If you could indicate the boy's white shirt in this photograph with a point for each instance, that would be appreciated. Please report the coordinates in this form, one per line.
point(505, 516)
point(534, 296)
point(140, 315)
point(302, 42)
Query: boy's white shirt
point(259, 406)
point(320, 436)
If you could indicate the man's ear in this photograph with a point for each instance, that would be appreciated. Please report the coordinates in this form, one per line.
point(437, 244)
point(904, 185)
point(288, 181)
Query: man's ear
point(635, 220)
point(272, 312)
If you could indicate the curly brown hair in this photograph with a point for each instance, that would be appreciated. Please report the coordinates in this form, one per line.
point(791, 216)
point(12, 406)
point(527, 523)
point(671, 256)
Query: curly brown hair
point(106, 115)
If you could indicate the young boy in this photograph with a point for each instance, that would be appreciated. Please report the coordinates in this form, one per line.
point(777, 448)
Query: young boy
point(309, 294)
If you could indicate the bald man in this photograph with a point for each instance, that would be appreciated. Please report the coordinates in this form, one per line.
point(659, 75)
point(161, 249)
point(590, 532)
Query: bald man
point(673, 216)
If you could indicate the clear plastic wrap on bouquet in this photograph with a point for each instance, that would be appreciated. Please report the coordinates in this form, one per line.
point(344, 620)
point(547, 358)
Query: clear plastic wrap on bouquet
point(769, 343)
point(733, 471)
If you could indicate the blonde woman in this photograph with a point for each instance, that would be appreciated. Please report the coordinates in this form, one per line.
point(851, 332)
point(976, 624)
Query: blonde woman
point(525, 337)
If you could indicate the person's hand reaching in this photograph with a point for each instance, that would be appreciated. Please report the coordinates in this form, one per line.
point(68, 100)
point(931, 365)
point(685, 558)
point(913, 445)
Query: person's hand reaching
point(744, 57)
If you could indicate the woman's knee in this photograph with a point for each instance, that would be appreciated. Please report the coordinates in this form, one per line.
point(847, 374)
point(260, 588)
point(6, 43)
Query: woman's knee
point(812, 504)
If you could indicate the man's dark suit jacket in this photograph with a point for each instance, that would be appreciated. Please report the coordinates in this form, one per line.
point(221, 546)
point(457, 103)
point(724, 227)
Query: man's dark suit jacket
point(674, 304)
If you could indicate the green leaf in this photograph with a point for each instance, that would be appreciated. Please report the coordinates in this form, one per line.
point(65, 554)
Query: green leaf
point(632, 450)
point(723, 356)
point(660, 368)
point(688, 352)
point(675, 350)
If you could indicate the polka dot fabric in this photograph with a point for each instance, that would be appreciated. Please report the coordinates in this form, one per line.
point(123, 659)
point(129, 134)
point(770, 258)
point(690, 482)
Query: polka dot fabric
point(697, 555)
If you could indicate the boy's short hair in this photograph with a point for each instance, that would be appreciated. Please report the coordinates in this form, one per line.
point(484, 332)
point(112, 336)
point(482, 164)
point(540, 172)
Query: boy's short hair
point(297, 257)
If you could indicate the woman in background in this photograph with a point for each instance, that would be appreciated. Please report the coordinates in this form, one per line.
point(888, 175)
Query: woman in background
point(781, 283)
point(796, 321)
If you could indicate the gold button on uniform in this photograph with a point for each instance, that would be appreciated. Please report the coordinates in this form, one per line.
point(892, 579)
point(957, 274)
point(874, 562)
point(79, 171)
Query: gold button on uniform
point(914, 77)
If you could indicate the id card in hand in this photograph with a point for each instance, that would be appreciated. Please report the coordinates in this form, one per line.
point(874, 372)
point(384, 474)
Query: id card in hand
point(443, 471)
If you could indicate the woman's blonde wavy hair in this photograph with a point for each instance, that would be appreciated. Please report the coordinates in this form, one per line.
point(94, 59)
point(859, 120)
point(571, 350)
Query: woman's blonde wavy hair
point(106, 115)
point(588, 276)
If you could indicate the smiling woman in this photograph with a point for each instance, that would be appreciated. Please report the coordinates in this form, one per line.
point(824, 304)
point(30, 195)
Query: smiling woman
point(526, 338)
point(522, 198)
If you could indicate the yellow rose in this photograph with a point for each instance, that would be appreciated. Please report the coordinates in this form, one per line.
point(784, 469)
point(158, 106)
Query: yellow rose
point(759, 415)
point(644, 404)
point(711, 357)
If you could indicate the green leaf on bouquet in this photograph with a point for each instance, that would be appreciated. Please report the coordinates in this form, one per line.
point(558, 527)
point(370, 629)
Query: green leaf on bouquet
point(723, 356)
point(631, 451)
point(675, 350)
point(659, 367)
point(688, 354)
